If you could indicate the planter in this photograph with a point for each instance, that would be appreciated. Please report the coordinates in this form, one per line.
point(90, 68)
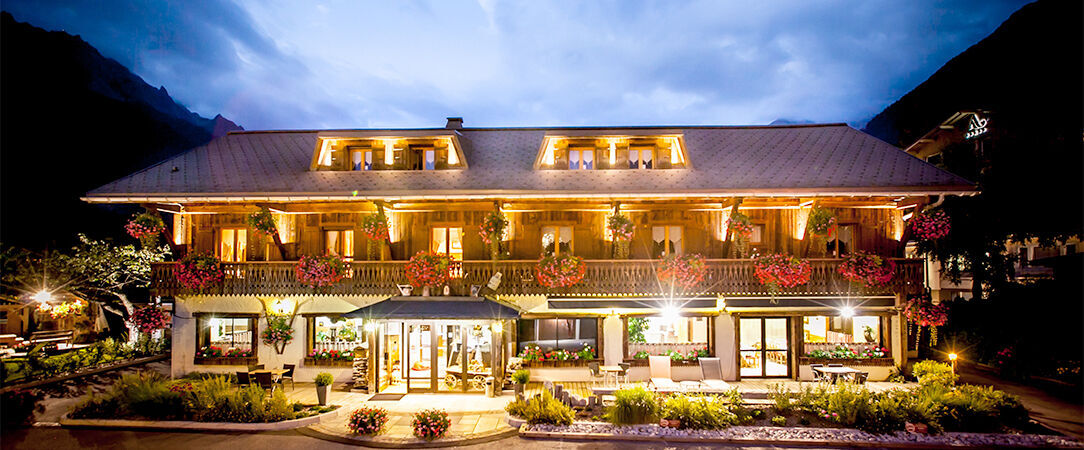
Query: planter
point(312, 362)
point(644, 363)
point(568, 363)
point(805, 360)
point(224, 361)
point(518, 389)
point(321, 395)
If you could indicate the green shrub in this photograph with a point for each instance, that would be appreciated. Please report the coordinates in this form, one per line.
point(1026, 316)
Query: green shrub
point(324, 379)
point(981, 409)
point(543, 409)
point(885, 414)
point(932, 372)
point(700, 413)
point(17, 407)
point(147, 394)
point(779, 421)
point(781, 398)
point(896, 376)
point(521, 376)
point(96, 406)
point(736, 406)
point(633, 406)
point(848, 403)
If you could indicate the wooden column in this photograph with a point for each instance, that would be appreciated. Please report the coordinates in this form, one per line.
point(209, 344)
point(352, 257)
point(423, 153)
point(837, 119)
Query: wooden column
point(729, 232)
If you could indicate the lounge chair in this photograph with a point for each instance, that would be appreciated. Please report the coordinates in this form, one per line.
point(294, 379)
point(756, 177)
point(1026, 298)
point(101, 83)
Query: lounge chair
point(817, 375)
point(660, 374)
point(711, 374)
point(860, 377)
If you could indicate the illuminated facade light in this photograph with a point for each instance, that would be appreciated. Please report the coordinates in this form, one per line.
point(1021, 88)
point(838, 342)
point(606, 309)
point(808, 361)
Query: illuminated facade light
point(847, 312)
point(389, 152)
point(43, 296)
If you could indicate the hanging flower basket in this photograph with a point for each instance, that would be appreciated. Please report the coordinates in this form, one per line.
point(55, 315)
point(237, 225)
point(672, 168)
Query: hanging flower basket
point(559, 271)
point(683, 270)
point(149, 318)
point(67, 309)
point(492, 231)
point(931, 226)
point(145, 227)
point(621, 228)
point(278, 333)
point(375, 228)
point(866, 269)
point(741, 229)
point(263, 222)
point(782, 271)
point(428, 269)
point(822, 222)
point(321, 271)
point(921, 312)
point(199, 271)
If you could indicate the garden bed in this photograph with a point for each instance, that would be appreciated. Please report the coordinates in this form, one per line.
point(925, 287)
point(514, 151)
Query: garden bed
point(313, 416)
point(790, 435)
point(313, 362)
point(225, 361)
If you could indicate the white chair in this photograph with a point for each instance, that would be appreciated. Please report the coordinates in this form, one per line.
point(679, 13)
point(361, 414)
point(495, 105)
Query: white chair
point(711, 374)
point(660, 374)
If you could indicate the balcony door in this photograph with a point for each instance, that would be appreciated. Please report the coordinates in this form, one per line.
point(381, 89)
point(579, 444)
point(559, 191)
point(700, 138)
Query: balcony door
point(764, 347)
point(232, 244)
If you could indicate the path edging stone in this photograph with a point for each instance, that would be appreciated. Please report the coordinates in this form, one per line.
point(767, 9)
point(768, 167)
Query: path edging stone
point(189, 425)
point(412, 442)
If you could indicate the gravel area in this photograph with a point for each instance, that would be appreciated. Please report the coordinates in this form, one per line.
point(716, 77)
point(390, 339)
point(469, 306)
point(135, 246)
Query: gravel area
point(819, 434)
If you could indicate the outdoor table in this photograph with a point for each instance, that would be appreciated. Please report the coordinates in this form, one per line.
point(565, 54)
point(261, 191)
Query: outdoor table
point(835, 372)
point(608, 370)
point(275, 373)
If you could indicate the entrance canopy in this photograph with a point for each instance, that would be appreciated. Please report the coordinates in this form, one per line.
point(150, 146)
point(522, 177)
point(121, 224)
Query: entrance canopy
point(414, 307)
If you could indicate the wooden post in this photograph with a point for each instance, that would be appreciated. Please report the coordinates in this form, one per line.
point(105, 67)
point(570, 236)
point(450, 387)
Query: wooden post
point(613, 239)
point(806, 242)
point(729, 232)
point(387, 240)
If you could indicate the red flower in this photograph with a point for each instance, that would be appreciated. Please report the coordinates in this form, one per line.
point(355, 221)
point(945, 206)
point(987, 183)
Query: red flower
point(428, 269)
point(779, 270)
point(321, 271)
point(931, 226)
point(557, 271)
point(685, 270)
point(871, 270)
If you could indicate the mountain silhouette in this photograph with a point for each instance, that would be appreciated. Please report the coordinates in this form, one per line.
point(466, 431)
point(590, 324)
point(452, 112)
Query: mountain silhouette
point(73, 120)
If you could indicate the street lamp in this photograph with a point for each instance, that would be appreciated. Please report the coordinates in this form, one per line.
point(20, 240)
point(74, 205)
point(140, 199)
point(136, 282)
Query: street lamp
point(952, 359)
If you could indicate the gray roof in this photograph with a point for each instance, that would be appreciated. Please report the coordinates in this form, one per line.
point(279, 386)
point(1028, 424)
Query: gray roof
point(831, 159)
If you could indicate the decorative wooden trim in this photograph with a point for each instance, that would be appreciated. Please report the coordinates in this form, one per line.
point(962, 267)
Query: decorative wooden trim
point(224, 361)
point(805, 360)
point(313, 362)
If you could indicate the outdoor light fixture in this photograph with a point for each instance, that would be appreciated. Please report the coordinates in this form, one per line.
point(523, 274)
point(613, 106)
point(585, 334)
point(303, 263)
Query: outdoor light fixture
point(847, 312)
point(952, 357)
point(370, 326)
point(670, 313)
point(498, 327)
point(43, 296)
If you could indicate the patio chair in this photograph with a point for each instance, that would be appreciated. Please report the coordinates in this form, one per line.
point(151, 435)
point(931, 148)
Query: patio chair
point(242, 379)
point(817, 375)
point(861, 377)
point(711, 375)
point(254, 367)
point(265, 381)
point(835, 365)
point(624, 371)
point(288, 375)
point(660, 378)
point(595, 372)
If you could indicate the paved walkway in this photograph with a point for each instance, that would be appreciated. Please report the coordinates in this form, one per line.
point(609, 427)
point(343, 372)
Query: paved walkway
point(1051, 411)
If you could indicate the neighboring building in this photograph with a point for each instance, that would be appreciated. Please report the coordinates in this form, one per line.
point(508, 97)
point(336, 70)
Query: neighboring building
point(556, 186)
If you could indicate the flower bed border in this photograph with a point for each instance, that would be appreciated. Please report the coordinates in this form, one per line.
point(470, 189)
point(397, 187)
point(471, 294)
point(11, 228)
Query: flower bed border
point(313, 362)
point(224, 360)
point(806, 360)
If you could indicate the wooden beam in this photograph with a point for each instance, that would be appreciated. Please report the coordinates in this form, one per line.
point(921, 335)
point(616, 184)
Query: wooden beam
point(729, 232)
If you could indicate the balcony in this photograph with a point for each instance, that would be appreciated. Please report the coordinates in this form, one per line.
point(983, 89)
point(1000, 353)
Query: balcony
point(731, 277)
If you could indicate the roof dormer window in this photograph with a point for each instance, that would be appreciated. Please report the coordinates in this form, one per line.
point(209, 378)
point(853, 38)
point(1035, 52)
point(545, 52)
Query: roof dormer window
point(388, 153)
point(611, 152)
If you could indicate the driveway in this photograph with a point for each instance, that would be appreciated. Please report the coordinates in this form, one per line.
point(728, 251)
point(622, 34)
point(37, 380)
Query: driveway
point(1051, 411)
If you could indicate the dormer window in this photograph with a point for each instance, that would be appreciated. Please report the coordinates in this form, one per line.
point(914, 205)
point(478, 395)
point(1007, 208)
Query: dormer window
point(611, 152)
point(383, 153)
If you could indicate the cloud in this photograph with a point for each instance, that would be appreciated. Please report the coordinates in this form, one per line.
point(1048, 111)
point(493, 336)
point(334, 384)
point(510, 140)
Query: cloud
point(347, 64)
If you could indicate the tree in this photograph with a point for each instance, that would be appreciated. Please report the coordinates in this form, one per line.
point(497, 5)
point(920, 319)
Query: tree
point(94, 270)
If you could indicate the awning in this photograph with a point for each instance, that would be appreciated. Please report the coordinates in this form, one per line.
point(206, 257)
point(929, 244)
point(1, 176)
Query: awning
point(414, 307)
point(632, 302)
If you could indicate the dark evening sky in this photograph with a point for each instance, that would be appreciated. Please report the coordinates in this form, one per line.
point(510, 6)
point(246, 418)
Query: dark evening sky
point(349, 64)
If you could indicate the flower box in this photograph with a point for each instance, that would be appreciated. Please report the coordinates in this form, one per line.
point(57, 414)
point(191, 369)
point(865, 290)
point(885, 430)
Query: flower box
point(566, 363)
point(644, 362)
point(805, 360)
point(313, 362)
point(225, 361)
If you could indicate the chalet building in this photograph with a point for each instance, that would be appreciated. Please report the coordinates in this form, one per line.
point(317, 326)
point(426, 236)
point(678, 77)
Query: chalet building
point(557, 187)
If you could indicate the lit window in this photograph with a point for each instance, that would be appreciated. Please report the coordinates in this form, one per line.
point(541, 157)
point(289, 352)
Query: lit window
point(841, 241)
point(657, 335)
point(556, 240)
point(757, 236)
point(334, 333)
point(233, 244)
point(667, 240)
point(339, 243)
point(430, 159)
point(448, 241)
point(588, 159)
point(226, 332)
point(552, 334)
point(841, 330)
point(362, 159)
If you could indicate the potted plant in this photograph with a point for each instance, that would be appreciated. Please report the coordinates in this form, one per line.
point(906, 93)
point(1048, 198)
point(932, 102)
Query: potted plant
point(520, 378)
point(683, 270)
point(921, 312)
point(558, 271)
point(375, 228)
point(146, 227)
point(427, 269)
point(492, 231)
point(430, 424)
point(149, 318)
point(368, 421)
point(278, 333)
point(866, 269)
point(821, 224)
point(621, 228)
point(321, 271)
point(323, 380)
point(782, 271)
point(199, 271)
point(741, 229)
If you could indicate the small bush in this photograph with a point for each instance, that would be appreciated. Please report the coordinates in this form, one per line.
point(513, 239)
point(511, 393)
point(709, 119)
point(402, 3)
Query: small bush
point(634, 406)
point(368, 421)
point(981, 409)
point(96, 406)
point(430, 424)
point(699, 413)
point(779, 421)
point(324, 379)
point(543, 409)
point(521, 376)
point(781, 398)
point(932, 372)
point(17, 407)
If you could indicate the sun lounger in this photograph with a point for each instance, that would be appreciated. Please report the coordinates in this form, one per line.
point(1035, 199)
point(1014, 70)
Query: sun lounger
point(711, 374)
point(660, 374)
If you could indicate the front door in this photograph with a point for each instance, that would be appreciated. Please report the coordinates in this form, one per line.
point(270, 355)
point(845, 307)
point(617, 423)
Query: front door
point(764, 347)
point(421, 352)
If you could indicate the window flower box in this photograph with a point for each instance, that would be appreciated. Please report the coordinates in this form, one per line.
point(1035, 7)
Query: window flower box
point(636, 362)
point(321, 362)
point(805, 360)
point(568, 363)
point(225, 361)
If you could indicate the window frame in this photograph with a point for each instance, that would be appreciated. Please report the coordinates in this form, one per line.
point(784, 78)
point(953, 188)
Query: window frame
point(344, 252)
point(448, 239)
point(710, 322)
point(557, 237)
point(219, 234)
point(666, 238)
point(763, 231)
point(203, 328)
point(853, 226)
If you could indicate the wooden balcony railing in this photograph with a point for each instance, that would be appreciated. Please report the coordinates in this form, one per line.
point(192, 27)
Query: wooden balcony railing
point(734, 277)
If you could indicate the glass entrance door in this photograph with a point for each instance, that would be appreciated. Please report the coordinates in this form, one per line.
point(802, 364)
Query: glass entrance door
point(420, 349)
point(764, 347)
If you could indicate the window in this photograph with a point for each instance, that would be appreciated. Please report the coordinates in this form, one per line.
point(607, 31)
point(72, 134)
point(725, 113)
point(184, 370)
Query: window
point(841, 242)
point(763, 347)
point(226, 332)
point(362, 159)
point(658, 335)
point(551, 334)
point(334, 333)
point(757, 236)
point(640, 158)
point(339, 243)
point(841, 330)
point(232, 244)
point(430, 159)
point(573, 159)
point(556, 240)
point(667, 240)
point(448, 241)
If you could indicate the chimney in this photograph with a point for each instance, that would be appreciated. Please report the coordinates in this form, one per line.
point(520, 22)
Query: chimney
point(454, 123)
